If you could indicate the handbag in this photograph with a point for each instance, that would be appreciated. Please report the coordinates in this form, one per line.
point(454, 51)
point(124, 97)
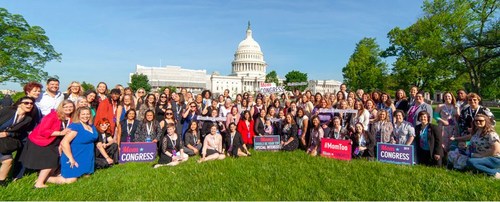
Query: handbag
point(9, 145)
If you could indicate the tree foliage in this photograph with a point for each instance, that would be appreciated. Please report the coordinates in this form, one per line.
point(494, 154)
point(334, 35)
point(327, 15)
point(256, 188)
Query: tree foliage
point(272, 77)
point(24, 50)
point(139, 81)
point(456, 42)
point(365, 69)
point(87, 86)
point(295, 77)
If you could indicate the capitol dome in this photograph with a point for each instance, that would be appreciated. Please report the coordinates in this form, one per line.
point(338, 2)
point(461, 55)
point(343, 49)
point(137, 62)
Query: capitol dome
point(249, 59)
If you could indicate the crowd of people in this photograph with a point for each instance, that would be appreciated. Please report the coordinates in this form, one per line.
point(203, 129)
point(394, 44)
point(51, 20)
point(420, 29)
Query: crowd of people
point(66, 135)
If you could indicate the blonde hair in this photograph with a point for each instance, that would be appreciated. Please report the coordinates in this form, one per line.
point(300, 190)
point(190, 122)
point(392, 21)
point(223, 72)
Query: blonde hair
point(60, 109)
point(76, 116)
point(80, 89)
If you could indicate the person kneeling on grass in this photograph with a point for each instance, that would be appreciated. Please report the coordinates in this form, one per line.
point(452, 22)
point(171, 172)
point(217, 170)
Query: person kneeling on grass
point(106, 153)
point(77, 158)
point(212, 146)
point(172, 152)
point(234, 143)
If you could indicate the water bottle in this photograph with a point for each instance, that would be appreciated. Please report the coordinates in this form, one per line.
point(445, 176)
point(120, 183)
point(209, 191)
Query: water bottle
point(148, 139)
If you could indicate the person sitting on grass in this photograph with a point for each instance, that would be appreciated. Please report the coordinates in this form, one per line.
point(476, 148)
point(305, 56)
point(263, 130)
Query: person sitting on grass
point(106, 153)
point(485, 144)
point(212, 146)
point(289, 134)
point(363, 142)
point(192, 140)
point(172, 152)
point(234, 143)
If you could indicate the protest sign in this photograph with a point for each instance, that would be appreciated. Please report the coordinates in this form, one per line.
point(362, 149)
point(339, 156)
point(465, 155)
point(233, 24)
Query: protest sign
point(395, 153)
point(137, 152)
point(267, 143)
point(337, 149)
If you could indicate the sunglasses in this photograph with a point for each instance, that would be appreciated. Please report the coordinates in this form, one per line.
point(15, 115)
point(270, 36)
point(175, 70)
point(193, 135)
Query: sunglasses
point(141, 92)
point(27, 103)
point(193, 106)
point(480, 120)
point(169, 114)
point(163, 97)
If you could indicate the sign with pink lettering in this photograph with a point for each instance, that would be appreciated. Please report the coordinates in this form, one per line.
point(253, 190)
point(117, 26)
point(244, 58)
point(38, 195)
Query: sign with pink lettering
point(267, 143)
point(137, 152)
point(337, 149)
point(395, 153)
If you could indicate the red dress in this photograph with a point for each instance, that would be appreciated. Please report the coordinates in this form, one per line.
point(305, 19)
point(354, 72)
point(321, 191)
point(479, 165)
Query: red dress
point(246, 131)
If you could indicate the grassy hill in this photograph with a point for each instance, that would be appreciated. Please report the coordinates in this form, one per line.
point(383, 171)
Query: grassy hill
point(266, 176)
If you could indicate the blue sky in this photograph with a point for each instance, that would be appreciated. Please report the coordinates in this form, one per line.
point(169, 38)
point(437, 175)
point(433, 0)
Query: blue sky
point(105, 40)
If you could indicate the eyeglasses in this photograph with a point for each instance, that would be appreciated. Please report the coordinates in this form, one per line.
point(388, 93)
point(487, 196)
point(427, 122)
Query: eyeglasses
point(105, 124)
point(193, 106)
point(27, 103)
point(480, 120)
point(475, 100)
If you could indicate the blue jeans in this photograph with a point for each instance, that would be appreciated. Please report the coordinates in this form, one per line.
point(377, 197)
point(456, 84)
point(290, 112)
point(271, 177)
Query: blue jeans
point(489, 165)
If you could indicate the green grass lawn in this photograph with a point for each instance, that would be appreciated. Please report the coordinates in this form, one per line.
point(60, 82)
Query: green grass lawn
point(266, 176)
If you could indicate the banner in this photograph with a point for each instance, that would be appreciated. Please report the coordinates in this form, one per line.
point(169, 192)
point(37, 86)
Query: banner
point(341, 111)
point(297, 84)
point(267, 143)
point(395, 153)
point(337, 149)
point(137, 152)
point(208, 118)
point(268, 88)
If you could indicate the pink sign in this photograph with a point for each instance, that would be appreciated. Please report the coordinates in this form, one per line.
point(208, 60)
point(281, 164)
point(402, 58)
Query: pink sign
point(337, 149)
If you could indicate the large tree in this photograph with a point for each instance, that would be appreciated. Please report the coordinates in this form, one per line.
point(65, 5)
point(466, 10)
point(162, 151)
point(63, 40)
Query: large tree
point(365, 69)
point(295, 77)
point(24, 50)
point(272, 77)
point(454, 42)
point(139, 81)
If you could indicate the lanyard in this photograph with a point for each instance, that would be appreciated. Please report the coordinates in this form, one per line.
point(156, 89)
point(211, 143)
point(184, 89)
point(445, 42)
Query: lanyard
point(149, 128)
point(475, 113)
point(447, 110)
point(65, 125)
point(232, 138)
point(129, 127)
point(173, 142)
point(423, 130)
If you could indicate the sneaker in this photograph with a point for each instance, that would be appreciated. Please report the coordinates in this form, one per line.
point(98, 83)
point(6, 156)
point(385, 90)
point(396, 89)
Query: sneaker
point(157, 165)
point(497, 176)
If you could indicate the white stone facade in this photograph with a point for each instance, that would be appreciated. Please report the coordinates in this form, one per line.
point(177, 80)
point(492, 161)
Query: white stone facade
point(193, 80)
point(324, 86)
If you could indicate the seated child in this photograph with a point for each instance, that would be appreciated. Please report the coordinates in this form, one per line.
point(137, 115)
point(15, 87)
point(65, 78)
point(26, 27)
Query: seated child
point(457, 158)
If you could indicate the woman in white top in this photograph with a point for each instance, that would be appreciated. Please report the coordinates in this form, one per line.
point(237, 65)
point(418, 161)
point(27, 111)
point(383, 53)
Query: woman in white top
point(363, 116)
point(212, 146)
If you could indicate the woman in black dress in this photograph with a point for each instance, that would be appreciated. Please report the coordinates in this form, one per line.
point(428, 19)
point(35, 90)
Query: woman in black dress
point(171, 152)
point(289, 138)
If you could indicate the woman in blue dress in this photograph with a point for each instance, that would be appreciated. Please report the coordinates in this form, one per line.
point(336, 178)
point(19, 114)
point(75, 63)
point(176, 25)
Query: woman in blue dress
point(77, 158)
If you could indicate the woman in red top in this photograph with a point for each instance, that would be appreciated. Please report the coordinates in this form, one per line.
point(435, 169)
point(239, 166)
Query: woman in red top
point(42, 149)
point(245, 128)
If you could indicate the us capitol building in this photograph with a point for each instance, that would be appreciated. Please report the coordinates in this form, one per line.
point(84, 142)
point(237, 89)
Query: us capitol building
point(248, 70)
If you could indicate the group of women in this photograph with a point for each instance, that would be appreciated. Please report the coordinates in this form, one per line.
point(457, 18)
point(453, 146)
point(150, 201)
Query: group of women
point(86, 128)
